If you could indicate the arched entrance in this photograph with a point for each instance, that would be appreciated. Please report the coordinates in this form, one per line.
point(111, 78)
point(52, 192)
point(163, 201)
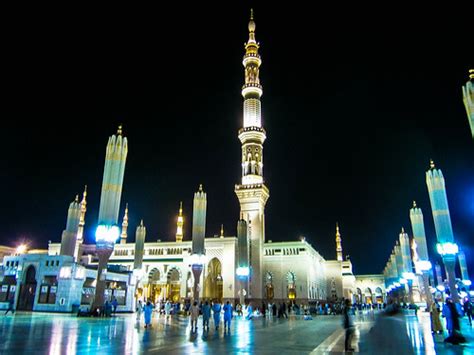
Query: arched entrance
point(378, 295)
point(269, 291)
point(213, 288)
point(155, 287)
point(28, 290)
point(173, 285)
point(368, 295)
point(358, 296)
point(291, 278)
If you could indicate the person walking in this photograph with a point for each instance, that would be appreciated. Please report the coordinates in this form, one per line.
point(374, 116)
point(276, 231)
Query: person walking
point(274, 309)
point(451, 313)
point(139, 309)
point(114, 305)
point(264, 309)
point(249, 311)
point(348, 320)
point(206, 314)
point(227, 315)
point(435, 311)
point(216, 309)
point(148, 310)
point(194, 312)
point(11, 302)
point(167, 309)
point(468, 310)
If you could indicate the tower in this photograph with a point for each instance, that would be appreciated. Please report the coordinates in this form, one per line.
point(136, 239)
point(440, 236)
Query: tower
point(199, 230)
point(180, 224)
point(463, 267)
point(468, 98)
point(82, 222)
point(107, 231)
point(140, 235)
point(69, 236)
point(252, 192)
point(123, 236)
point(446, 246)
point(422, 263)
point(338, 244)
point(115, 157)
point(242, 259)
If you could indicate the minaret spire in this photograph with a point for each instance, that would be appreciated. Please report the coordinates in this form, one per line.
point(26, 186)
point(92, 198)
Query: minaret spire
point(222, 231)
point(338, 244)
point(179, 224)
point(82, 222)
point(468, 98)
point(123, 237)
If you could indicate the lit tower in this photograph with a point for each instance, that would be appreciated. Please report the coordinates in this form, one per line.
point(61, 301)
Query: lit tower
point(180, 224)
point(252, 192)
point(123, 236)
point(422, 264)
point(463, 266)
point(199, 230)
point(69, 236)
point(468, 98)
point(82, 222)
point(338, 244)
point(446, 246)
point(108, 231)
point(243, 258)
point(140, 235)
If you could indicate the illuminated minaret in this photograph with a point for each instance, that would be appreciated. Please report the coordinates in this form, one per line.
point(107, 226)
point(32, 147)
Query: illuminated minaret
point(338, 244)
point(446, 246)
point(82, 222)
point(463, 267)
point(199, 230)
point(252, 192)
point(422, 263)
point(123, 236)
point(468, 98)
point(69, 236)
point(140, 235)
point(179, 224)
point(116, 155)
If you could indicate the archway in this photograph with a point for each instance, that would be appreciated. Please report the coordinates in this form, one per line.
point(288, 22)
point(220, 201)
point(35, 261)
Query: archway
point(368, 295)
point(291, 278)
point(378, 295)
point(269, 291)
point(213, 288)
point(155, 286)
point(28, 290)
point(173, 285)
point(358, 296)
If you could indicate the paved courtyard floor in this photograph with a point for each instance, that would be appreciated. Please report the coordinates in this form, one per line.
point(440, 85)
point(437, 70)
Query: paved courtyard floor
point(46, 333)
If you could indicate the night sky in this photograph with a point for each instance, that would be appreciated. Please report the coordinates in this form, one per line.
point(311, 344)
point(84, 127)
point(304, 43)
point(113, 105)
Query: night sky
point(354, 107)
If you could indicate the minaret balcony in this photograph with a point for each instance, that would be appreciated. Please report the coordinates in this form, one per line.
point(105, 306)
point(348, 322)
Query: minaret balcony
point(252, 88)
point(252, 134)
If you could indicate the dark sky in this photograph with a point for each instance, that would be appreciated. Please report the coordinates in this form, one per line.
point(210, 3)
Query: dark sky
point(354, 108)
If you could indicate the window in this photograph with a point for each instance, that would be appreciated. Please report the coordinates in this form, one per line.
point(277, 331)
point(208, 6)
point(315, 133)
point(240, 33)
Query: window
point(7, 288)
point(48, 290)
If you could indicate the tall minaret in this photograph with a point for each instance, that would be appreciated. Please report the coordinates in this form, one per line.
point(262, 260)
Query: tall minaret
point(82, 222)
point(444, 230)
point(69, 236)
point(252, 192)
point(179, 224)
point(116, 155)
point(140, 235)
point(199, 221)
point(123, 236)
point(468, 98)
point(338, 244)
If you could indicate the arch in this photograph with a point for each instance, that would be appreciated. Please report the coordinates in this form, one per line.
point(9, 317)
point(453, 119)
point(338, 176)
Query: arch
point(378, 295)
point(368, 295)
point(358, 295)
point(154, 276)
point(155, 288)
point(291, 278)
point(173, 284)
point(213, 284)
point(269, 290)
point(28, 290)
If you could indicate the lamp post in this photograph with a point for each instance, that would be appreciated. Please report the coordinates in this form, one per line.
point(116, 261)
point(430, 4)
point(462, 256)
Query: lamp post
point(105, 237)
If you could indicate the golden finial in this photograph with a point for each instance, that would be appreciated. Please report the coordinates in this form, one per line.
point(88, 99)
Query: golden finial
point(337, 228)
point(251, 14)
point(200, 187)
point(432, 164)
point(84, 194)
point(471, 73)
point(119, 130)
point(222, 231)
point(251, 23)
point(414, 204)
point(403, 230)
point(126, 208)
point(141, 223)
point(180, 208)
point(76, 199)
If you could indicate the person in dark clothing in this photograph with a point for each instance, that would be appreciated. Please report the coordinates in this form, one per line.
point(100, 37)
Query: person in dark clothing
point(348, 320)
point(468, 310)
point(274, 309)
point(264, 309)
point(114, 305)
point(11, 302)
point(452, 315)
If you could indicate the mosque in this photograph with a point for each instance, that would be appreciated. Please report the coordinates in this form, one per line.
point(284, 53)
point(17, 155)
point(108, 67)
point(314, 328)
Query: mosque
point(246, 267)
